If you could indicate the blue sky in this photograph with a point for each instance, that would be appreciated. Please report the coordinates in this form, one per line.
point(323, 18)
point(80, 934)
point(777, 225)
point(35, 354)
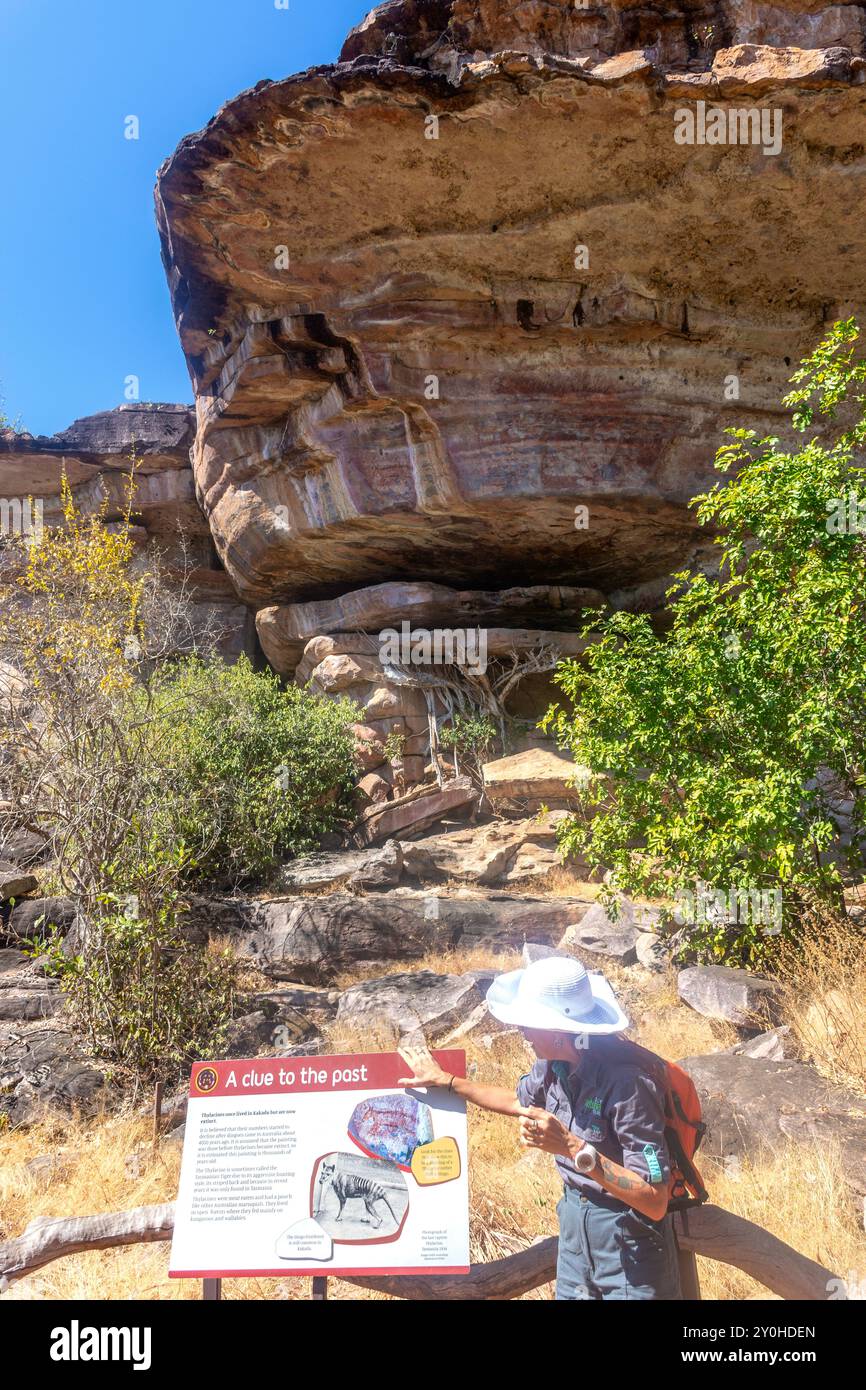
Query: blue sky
point(83, 298)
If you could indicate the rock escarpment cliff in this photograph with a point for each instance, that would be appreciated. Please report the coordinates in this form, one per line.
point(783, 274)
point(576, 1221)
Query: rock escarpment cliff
point(96, 455)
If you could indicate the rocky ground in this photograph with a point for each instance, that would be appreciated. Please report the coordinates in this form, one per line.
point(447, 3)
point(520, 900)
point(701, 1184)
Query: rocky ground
point(344, 953)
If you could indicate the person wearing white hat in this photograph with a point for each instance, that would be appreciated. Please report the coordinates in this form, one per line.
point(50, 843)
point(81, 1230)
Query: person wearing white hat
point(597, 1106)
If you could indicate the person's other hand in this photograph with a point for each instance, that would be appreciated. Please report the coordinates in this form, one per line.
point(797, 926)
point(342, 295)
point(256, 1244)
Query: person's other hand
point(541, 1130)
point(426, 1071)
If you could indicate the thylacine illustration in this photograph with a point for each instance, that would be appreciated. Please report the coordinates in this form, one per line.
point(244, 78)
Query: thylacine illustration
point(348, 1185)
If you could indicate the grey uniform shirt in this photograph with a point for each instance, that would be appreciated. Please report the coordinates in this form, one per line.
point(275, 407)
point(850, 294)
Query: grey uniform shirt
point(610, 1099)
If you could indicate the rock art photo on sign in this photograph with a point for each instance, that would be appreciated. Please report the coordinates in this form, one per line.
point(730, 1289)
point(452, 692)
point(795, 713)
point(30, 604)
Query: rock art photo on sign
point(391, 1127)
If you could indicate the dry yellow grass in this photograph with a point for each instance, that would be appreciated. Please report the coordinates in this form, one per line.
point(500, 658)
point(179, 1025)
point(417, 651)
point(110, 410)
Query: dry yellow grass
point(823, 985)
point(560, 882)
point(664, 1024)
point(803, 1198)
point(445, 961)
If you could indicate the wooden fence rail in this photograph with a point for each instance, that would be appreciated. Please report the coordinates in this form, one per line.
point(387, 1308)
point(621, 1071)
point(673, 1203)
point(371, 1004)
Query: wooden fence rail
point(709, 1231)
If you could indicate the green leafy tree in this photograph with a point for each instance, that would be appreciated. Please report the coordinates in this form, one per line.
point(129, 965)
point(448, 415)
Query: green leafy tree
point(731, 748)
point(255, 772)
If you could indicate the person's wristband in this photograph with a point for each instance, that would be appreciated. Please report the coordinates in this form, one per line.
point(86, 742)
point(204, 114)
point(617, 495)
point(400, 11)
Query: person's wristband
point(451, 1082)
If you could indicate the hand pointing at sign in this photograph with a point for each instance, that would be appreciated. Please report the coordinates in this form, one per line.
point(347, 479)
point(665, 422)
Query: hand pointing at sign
point(426, 1071)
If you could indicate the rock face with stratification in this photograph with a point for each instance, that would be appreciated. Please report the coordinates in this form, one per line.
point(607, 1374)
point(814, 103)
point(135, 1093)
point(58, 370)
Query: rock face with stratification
point(462, 309)
point(96, 455)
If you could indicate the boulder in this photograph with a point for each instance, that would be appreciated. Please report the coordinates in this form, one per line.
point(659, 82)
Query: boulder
point(421, 1001)
point(15, 882)
point(25, 993)
point(263, 1034)
point(536, 950)
point(753, 1104)
point(600, 936)
point(754, 68)
point(312, 939)
point(653, 952)
point(533, 862)
point(369, 867)
point(479, 854)
point(12, 964)
point(774, 1046)
point(373, 789)
point(499, 852)
point(336, 674)
point(381, 868)
point(529, 780)
point(25, 1005)
point(416, 811)
point(369, 747)
point(320, 1005)
point(41, 1069)
point(211, 916)
point(736, 996)
point(23, 846)
point(35, 917)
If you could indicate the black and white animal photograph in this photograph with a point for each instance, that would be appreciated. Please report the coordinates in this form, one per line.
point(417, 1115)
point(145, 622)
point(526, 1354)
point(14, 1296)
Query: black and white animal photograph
point(359, 1198)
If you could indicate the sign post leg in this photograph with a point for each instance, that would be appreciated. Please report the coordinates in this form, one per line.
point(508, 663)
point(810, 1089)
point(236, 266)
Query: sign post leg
point(212, 1290)
point(320, 1287)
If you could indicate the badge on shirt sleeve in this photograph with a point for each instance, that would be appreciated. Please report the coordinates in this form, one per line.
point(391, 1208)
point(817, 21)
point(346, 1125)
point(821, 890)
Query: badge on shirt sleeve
point(652, 1161)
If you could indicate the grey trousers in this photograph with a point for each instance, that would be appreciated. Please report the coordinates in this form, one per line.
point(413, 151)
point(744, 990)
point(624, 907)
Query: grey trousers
point(610, 1251)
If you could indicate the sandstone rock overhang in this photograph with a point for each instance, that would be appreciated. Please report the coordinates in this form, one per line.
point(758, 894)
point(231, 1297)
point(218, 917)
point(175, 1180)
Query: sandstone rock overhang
point(405, 368)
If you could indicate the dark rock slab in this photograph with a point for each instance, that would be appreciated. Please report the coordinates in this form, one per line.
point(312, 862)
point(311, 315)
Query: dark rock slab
point(12, 961)
point(311, 939)
point(210, 916)
point(23, 847)
point(42, 1069)
point(25, 993)
point(34, 917)
point(423, 1000)
point(24, 1005)
point(751, 1104)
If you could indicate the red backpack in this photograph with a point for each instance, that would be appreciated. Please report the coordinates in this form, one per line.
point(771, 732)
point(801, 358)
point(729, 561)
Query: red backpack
point(684, 1130)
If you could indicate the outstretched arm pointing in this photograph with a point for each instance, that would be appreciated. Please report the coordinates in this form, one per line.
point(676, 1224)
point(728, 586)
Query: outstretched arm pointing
point(426, 1071)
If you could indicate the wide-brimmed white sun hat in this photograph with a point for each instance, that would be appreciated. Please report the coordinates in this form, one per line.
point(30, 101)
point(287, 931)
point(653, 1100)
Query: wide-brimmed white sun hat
point(558, 995)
